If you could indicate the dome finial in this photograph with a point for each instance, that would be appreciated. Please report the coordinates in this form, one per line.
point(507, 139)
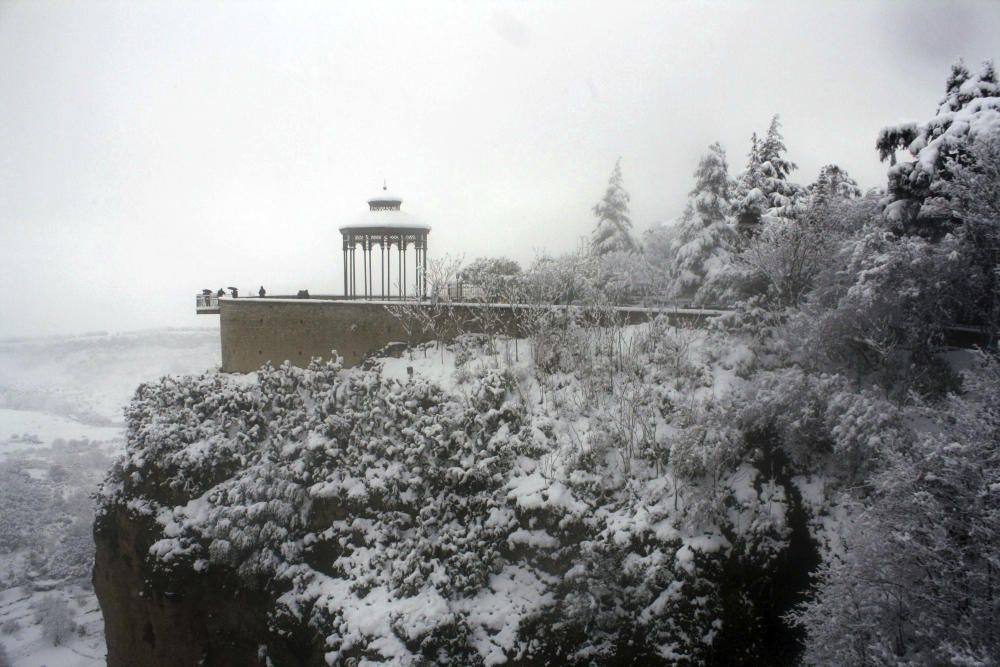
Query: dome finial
point(384, 188)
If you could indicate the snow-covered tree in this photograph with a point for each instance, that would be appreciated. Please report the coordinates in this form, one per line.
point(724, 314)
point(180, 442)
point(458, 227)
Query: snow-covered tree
point(748, 200)
point(614, 227)
point(701, 251)
point(763, 188)
point(658, 256)
point(4, 658)
point(495, 277)
point(970, 109)
point(833, 184)
point(482, 267)
point(972, 195)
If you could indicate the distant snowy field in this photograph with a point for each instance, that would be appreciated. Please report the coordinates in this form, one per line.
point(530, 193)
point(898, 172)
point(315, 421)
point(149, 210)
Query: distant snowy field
point(61, 425)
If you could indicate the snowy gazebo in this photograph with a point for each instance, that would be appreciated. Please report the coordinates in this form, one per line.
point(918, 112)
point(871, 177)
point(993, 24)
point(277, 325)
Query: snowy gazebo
point(385, 225)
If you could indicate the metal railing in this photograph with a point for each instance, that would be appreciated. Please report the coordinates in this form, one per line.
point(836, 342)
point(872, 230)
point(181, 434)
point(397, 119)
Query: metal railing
point(206, 302)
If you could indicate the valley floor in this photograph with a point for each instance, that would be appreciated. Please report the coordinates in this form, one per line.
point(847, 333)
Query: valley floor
point(61, 427)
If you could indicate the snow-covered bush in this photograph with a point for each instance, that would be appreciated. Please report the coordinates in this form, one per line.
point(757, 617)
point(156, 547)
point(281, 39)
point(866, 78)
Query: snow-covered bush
point(917, 585)
point(53, 614)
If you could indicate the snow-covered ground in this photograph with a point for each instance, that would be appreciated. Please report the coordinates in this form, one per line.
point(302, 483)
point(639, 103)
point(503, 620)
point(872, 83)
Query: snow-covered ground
point(61, 424)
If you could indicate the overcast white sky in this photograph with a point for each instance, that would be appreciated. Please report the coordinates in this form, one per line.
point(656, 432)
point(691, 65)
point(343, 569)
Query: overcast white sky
point(149, 149)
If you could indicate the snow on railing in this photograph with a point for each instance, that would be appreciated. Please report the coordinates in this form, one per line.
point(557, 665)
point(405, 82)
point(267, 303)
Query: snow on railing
point(206, 302)
point(462, 291)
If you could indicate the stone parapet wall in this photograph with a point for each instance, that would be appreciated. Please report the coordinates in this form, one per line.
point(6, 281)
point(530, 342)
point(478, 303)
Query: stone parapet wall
point(256, 331)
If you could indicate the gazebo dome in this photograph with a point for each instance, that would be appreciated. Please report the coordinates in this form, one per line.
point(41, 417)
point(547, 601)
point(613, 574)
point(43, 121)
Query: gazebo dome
point(384, 215)
point(386, 219)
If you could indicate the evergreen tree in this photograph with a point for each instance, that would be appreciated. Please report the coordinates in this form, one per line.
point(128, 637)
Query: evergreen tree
point(952, 100)
point(832, 185)
point(614, 227)
point(771, 150)
point(702, 249)
point(969, 110)
point(748, 199)
point(763, 188)
point(782, 197)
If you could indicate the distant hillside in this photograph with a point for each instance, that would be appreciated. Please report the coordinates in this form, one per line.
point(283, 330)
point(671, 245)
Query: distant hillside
point(91, 377)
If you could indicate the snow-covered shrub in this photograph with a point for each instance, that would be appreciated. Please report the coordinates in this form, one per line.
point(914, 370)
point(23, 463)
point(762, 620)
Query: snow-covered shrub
point(305, 474)
point(53, 614)
point(917, 583)
point(820, 418)
point(72, 556)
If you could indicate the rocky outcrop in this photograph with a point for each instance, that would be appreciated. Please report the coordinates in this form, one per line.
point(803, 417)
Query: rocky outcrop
point(157, 619)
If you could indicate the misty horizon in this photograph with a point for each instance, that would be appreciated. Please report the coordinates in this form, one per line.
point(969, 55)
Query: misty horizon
point(152, 150)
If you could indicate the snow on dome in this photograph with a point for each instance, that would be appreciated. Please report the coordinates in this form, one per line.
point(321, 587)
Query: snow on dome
point(386, 219)
point(384, 214)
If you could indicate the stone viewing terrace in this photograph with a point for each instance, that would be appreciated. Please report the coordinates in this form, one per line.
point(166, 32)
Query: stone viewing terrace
point(385, 287)
point(206, 304)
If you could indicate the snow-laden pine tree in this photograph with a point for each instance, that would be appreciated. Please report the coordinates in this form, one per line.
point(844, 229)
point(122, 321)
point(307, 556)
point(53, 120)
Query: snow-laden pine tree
point(747, 203)
point(969, 110)
point(763, 188)
point(702, 249)
point(614, 227)
point(832, 185)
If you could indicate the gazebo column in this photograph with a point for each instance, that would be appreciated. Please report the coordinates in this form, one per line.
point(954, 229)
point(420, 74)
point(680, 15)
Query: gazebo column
point(370, 291)
point(417, 267)
point(424, 243)
point(345, 267)
point(364, 263)
point(354, 283)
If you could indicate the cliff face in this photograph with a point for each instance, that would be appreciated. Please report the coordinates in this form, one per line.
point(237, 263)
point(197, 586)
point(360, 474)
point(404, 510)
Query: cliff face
point(181, 617)
point(321, 517)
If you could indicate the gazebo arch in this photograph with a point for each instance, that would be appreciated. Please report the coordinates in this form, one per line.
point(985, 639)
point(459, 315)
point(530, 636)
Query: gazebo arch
point(384, 225)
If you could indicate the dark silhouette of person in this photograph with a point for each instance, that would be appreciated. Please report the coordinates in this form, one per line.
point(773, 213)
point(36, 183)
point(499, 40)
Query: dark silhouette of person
point(236, 292)
point(221, 292)
point(261, 292)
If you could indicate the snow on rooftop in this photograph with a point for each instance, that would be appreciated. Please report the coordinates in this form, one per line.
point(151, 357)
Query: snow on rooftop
point(387, 219)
